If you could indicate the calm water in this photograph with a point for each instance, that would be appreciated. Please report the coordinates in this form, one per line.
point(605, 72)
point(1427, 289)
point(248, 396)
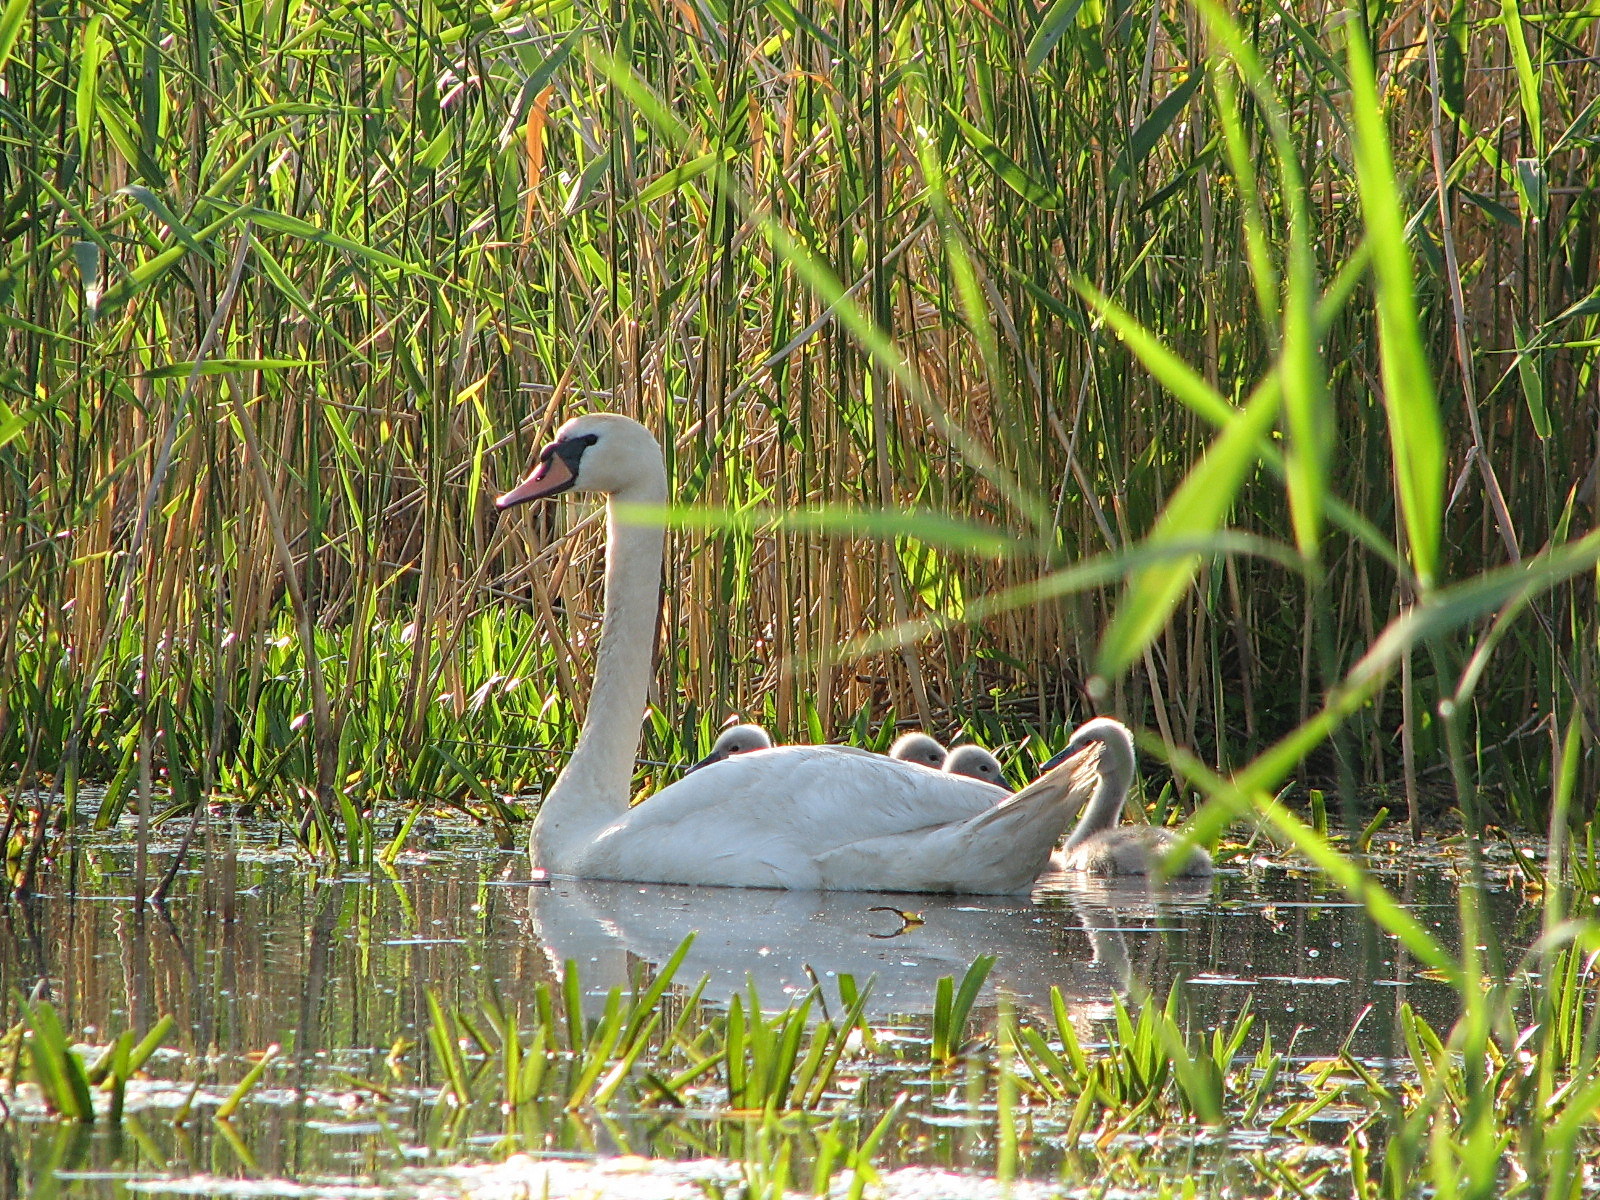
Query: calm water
point(258, 948)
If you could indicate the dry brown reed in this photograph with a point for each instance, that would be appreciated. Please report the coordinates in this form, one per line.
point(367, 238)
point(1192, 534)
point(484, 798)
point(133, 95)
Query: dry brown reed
point(414, 318)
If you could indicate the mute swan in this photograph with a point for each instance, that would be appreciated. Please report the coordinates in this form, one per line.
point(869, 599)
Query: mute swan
point(1099, 845)
point(918, 748)
point(824, 816)
point(976, 762)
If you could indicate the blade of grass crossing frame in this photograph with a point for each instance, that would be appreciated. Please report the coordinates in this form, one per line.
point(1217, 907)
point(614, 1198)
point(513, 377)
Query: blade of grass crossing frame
point(968, 287)
point(1244, 798)
point(1195, 511)
point(1241, 161)
point(11, 18)
point(1300, 366)
point(1415, 435)
point(815, 273)
point(1527, 77)
point(1052, 27)
point(92, 52)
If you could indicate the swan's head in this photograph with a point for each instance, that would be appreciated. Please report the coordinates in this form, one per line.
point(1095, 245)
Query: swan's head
point(918, 748)
point(736, 739)
point(976, 762)
point(600, 452)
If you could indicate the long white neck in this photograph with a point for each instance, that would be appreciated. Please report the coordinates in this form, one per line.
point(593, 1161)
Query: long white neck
point(1104, 809)
point(593, 790)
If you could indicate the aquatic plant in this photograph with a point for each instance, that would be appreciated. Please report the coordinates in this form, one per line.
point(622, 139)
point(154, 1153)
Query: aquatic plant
point(952, 1006)
point(779, 1061)
point(249, 422)
point(245, 1086)
point(64, 1079)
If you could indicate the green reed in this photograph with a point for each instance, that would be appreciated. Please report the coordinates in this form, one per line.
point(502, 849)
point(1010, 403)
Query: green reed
point(795, 1086)
point(778, 1061)
point(65, 1079)
point(278, 325)
point(1466, 1121)
point(952, 1007)
point(1208, 367)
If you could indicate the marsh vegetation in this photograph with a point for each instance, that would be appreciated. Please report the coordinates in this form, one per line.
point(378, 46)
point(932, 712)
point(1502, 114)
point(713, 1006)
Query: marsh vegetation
point(1233, 372)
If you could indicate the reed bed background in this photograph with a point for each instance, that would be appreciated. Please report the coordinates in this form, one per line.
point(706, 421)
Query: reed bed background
point(289, 292)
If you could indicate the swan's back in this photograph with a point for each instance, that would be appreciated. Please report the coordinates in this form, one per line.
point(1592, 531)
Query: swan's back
point(826, 816)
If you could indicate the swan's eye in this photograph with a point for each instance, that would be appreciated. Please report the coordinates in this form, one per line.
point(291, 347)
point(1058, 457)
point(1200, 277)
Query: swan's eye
point(570, 450)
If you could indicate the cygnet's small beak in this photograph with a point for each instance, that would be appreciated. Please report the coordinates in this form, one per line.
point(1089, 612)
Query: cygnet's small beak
point(1079, 758)
point(714, 757)
point(550, 477)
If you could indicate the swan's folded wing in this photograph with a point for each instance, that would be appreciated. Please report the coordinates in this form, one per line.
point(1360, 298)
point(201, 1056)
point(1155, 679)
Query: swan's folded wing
point(835, 793)
point(999, 851)
point(766, 817)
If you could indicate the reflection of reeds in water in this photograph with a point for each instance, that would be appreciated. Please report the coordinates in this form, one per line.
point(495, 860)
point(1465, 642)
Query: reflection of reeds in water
point(628, 1054)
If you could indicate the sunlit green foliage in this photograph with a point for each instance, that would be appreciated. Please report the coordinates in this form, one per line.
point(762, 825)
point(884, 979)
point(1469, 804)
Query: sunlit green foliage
point(1510, 1111)
point(64, 1078)
point(1215, 366)
point(278, 324)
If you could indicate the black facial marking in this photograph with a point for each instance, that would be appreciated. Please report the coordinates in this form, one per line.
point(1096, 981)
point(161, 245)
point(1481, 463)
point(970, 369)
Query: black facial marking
point(571, 450)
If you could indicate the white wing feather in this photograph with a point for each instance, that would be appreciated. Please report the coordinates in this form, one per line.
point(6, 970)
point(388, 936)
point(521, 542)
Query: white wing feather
point(832, 817)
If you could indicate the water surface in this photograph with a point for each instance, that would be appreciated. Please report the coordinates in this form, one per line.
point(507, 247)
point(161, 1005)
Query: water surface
point(260, 948)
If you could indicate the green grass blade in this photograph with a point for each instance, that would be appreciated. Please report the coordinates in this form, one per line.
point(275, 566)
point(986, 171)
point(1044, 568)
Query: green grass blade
point(1196, 510)
point(1415, 434)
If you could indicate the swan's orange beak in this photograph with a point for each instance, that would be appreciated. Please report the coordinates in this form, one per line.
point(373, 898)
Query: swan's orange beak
point(550, 477)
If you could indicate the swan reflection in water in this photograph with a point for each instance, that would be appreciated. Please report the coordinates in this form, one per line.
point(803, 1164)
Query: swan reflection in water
point(785, 942)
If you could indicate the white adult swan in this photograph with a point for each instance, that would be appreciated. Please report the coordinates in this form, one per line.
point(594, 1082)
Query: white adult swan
point(792, 817)
point(1101, 846)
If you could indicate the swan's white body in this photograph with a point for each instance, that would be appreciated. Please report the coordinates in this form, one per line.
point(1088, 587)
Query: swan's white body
point(1099, 845)
point(813, 817)
point(972, 761)
point(792, 817)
